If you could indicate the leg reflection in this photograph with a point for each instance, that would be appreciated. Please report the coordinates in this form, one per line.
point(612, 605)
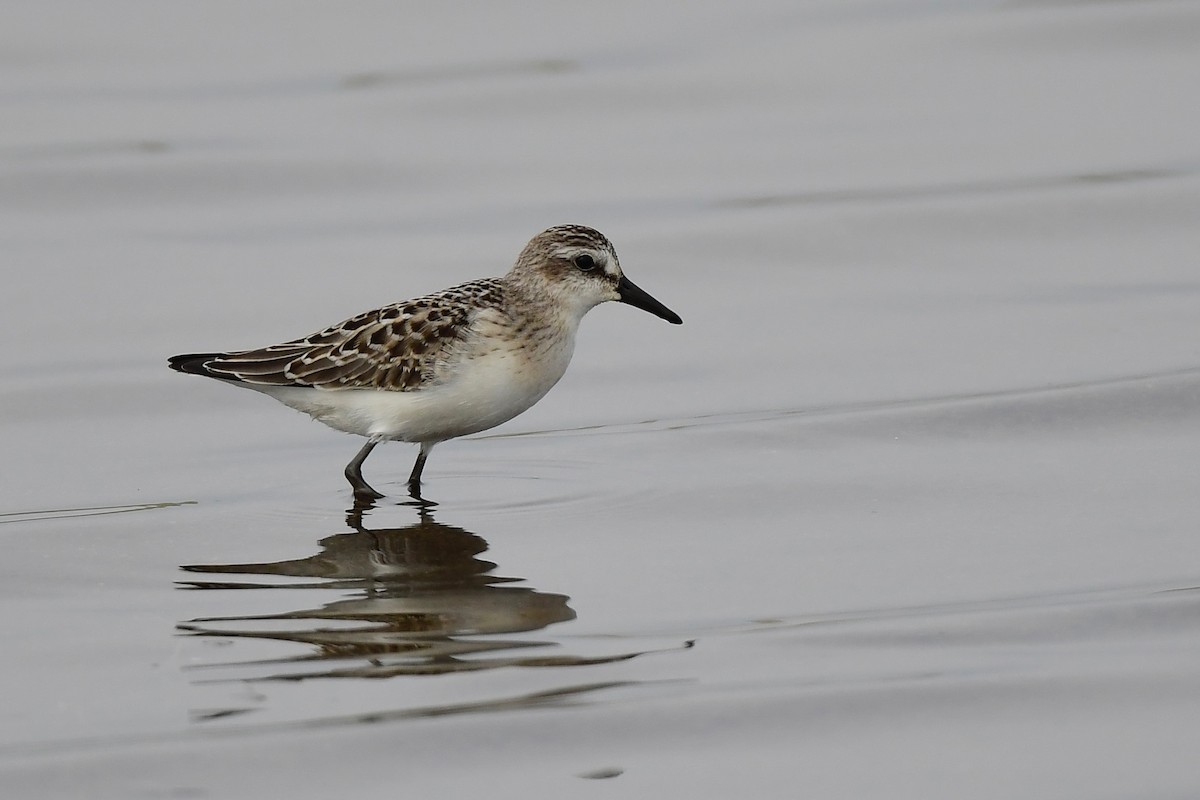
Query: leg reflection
point(422, 598)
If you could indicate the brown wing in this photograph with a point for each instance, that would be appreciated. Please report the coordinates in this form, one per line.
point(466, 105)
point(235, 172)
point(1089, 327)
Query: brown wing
point(397, 347)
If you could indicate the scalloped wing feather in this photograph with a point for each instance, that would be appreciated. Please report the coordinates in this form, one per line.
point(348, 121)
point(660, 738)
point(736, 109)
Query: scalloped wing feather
point(396, 347)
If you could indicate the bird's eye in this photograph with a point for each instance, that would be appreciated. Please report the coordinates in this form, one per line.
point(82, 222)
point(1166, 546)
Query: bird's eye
point(584, 262)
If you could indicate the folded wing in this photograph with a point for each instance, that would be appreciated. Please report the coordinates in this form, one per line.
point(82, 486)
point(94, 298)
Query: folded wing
point(398, 347)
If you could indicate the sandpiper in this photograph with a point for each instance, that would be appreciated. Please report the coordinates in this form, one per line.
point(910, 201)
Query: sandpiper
point(448, 364)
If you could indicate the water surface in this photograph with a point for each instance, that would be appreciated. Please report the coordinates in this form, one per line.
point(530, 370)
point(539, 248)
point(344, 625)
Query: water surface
point(906, 508)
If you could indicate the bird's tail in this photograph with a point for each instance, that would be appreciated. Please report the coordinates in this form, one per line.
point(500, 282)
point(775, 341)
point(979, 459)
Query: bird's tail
point(195, 364)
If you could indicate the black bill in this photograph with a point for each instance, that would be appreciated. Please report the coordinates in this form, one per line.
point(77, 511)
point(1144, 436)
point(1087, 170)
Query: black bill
point(635, 297)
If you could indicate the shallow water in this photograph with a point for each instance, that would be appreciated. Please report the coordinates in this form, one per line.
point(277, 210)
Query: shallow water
point(906, 508)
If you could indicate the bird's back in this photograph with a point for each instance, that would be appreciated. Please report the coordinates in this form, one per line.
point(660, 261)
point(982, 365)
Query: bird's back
point(399, 347)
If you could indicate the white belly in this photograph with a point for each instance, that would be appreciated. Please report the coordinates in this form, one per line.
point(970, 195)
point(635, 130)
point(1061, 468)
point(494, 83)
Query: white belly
point(479, 393)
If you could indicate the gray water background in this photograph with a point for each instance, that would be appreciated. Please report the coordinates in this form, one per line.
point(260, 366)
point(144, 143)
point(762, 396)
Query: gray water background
point(906, 509)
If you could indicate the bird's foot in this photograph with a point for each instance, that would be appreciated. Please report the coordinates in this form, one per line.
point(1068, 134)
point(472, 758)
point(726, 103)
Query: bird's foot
point(414, 492)
point(366, 494)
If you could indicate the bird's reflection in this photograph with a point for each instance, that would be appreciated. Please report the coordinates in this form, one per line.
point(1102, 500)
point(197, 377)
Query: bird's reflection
point(426, 601)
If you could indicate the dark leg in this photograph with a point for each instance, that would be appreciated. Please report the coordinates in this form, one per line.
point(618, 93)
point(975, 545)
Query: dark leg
point(362, 489)
point(414, 480)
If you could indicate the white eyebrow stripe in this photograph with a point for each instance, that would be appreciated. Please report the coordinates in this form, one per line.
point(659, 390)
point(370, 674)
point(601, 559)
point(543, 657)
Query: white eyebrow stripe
point(564, 252)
